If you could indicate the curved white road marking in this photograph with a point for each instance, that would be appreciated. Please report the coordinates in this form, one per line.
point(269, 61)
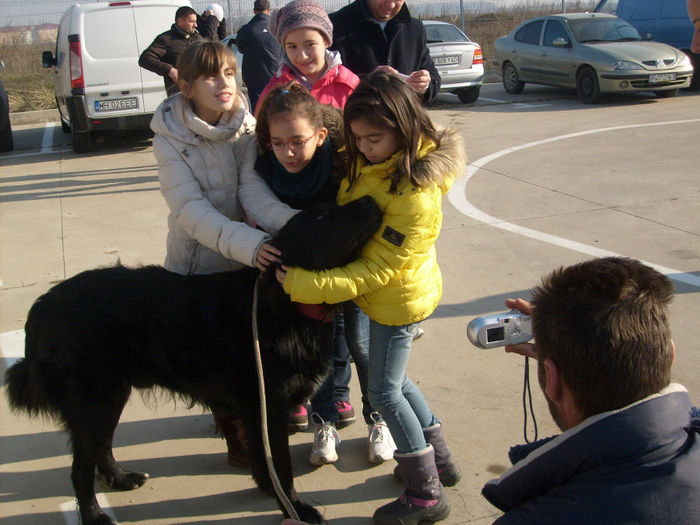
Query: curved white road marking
point(458, 198)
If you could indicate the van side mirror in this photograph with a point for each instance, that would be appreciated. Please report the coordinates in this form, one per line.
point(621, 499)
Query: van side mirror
point(47, 59)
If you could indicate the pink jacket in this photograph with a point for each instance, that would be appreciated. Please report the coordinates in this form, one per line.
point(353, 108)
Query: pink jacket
point(332, 89)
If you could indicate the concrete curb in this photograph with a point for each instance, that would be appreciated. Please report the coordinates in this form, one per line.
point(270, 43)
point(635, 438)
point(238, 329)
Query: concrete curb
point(34, 117)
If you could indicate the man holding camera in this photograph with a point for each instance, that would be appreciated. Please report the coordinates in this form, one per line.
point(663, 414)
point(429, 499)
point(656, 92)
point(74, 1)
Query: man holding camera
point(630, 451)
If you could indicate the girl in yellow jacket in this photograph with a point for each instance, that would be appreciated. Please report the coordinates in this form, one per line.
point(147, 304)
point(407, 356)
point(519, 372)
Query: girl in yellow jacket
point(398, 157)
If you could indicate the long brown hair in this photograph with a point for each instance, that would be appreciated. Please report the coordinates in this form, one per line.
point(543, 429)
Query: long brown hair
point(387, 102)
point(204, 59)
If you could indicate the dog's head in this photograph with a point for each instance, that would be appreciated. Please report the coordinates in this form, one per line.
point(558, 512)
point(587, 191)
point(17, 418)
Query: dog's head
point(327, 235)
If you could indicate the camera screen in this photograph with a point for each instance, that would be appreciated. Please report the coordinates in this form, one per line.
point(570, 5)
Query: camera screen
point(495, 334)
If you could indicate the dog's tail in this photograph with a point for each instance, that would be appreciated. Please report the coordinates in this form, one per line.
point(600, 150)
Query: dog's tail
point(19, 390)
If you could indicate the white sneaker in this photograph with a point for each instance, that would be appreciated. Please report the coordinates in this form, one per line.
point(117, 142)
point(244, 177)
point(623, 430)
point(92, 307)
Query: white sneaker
point(380, 444)
point(325, 440)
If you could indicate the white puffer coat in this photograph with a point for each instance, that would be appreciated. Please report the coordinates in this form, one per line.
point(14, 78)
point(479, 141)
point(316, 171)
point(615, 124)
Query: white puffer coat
point(198, 167)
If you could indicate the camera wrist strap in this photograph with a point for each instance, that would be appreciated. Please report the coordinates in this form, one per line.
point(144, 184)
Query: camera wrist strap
point(527, 401)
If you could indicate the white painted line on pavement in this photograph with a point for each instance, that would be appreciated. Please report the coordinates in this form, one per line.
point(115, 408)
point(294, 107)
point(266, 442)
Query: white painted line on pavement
point(71, 516)
point(11, 346)
point(496, 100)
point(42, 152)
point(458, 198)
point(47, 140)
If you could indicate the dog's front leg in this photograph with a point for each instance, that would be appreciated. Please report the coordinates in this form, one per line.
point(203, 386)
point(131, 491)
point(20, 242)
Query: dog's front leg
point(279, 446)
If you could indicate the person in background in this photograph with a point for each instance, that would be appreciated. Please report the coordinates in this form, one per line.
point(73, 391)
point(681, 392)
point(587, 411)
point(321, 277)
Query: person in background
point(630, 448)
point(372, 34)
point(398, 157)
point(261, 51)
point(305, 32)
point(161, 56)
point(694, 14)
point(211, 23)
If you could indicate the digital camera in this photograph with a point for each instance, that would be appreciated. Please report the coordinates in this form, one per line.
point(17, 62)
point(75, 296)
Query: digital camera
point(507, 328)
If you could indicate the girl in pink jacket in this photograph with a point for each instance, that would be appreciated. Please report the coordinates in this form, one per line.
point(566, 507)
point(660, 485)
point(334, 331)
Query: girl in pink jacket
point(304, 30)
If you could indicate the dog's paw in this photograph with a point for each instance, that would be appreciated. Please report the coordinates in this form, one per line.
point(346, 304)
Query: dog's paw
point(307, 513)
point(99, 518)
point(123, 481)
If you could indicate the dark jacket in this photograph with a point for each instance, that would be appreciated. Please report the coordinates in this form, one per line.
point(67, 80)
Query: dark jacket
point(637, 465)
point(161, 55)
point(363, 45)
point(208, 27)
point(261, 52)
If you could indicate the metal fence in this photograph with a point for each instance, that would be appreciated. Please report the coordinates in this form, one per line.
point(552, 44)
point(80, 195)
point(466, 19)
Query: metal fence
point(30, 21)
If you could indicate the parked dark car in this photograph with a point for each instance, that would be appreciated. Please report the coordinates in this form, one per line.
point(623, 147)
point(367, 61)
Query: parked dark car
point(6, 142)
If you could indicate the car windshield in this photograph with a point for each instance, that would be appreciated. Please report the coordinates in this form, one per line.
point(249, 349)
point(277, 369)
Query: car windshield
point(444, 33)
point(602, 30)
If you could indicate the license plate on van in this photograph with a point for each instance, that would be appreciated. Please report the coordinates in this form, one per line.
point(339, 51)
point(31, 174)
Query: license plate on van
point(655, 78)
point(118, 104)
point(444, 61)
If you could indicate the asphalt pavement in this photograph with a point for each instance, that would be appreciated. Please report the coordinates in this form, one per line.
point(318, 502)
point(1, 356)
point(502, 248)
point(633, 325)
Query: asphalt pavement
point(551, 182)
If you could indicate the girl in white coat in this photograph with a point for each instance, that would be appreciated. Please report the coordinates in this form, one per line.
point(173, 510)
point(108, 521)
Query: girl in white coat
point(204, 139)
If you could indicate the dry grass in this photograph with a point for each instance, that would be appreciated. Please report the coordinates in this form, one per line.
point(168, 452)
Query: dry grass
point(30, 86)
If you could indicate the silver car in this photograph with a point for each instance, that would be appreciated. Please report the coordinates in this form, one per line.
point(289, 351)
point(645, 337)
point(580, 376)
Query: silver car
point(458, 60)
point(593, 52)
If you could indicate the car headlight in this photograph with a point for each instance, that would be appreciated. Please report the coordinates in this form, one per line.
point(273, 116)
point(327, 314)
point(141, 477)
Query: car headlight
point(684, 60)
point(622, 64)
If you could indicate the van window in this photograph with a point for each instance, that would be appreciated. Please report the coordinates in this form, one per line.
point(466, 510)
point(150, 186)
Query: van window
point(674, 9)
point(101, 41)
point(640, 10)
point(530, 34)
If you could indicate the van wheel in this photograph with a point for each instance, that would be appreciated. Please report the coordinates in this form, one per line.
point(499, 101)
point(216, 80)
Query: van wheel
point(587, 85)
point(81, 141)
point(668, 93)
point(468, 95)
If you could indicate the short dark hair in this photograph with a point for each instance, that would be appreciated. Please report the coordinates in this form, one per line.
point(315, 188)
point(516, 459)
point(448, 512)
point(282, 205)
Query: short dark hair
point(184, 11)
point(604, 323)
point(261, 5)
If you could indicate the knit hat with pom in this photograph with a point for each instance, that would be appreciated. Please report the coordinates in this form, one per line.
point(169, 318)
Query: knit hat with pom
point(301, 13)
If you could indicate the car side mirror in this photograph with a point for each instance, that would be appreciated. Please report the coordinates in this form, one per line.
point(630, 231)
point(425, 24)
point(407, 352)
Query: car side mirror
point(47, 59)
point(561, 42)
point(648, 36)
point(2, 65)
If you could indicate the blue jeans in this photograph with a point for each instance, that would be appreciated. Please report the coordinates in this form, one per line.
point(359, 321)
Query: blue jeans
point(381, 355)
point(335, 387)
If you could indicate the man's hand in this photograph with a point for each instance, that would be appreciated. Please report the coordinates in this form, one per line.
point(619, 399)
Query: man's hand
point(173, 74)
point(267, 254)
point(526, 349)
point(419, 80)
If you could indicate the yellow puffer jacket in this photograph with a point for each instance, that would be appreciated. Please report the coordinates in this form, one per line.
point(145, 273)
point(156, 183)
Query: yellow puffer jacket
point(396, 280)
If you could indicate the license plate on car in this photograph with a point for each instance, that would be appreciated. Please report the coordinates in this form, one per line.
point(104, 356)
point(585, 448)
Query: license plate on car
point(655, 78)
point(116, 104)
point(444, 61)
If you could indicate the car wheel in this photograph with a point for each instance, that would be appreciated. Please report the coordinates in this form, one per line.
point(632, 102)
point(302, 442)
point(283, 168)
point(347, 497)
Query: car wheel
point(511, 80)
point(587, 85)
point(468, 95)
point(668, 93)
point(81, 141)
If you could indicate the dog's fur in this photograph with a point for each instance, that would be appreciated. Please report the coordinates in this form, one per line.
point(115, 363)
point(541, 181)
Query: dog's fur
point(92, 338)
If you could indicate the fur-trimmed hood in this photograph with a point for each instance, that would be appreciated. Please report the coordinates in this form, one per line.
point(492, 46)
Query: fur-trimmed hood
point(441, 163)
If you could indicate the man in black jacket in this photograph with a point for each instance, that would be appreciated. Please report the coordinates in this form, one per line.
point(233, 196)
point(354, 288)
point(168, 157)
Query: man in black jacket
point(382, 33)
point(261, 52)
point(161, 56)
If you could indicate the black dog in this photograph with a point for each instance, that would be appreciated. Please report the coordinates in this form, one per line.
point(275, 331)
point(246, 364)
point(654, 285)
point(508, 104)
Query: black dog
point(92, 338)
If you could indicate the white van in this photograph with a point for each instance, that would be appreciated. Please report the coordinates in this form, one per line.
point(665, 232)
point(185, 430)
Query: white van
point(99, 84)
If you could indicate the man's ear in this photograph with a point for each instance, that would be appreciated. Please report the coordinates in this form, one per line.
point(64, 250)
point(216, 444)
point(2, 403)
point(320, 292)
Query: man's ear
point(322, 134)
point(673, 351)
point(552, 381)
